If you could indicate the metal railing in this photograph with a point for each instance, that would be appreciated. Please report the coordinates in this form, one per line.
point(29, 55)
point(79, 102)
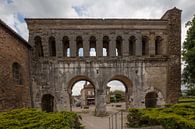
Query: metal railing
point(117, 121)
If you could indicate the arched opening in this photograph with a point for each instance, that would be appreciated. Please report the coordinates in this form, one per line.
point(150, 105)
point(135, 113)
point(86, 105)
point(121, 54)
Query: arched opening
point(132, 40)
point(92, 46)
point(47, 103)
point(119, 46)
point(38, 46)
point(120, 90)
point(151, 100)
point(145, 45)
point(66, 47)
point(158, 45)
point(52, 46)
point(82, 94)
point(17, 73)
point(79, 46)
point(106, 46)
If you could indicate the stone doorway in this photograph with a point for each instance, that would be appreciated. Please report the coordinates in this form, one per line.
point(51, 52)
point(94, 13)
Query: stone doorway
point(47, 103)
point(151, 100)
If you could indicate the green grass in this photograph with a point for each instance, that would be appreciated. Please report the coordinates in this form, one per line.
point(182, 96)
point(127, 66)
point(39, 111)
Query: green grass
point(178, 116)
point(35, 119)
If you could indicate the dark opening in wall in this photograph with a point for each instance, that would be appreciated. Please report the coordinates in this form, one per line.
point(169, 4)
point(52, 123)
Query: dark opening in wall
point(79, 46)
point(119, 46)
point(158, 45)
point(151, 100)
point(92, 50)
point(17, 73)
point(66, 46)
point(52, 46)
point(38, 46)
point(106, 46)
point(132, 41)
point(47, 103)
point(145, 45)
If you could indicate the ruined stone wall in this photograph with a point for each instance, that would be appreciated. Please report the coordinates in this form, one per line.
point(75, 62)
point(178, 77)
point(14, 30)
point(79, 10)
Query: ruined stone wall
point(141, 72)
point(13, 50)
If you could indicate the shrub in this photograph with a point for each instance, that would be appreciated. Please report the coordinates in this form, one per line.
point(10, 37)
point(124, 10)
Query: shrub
point(179, 116)
point(35, 119)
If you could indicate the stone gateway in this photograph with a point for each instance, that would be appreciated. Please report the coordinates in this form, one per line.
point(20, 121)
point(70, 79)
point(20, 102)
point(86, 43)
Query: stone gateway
point(144, 54)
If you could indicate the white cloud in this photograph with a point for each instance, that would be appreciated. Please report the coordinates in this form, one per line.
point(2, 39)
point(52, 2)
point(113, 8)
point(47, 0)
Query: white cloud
point(90, 8)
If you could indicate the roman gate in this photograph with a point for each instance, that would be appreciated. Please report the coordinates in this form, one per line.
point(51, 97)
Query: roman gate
point(144, 54)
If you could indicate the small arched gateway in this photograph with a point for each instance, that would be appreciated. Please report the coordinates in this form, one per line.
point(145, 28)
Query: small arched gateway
point(151, 100)
point(47, 103)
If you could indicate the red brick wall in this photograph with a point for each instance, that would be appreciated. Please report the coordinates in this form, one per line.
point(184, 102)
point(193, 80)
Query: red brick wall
point(13, 50)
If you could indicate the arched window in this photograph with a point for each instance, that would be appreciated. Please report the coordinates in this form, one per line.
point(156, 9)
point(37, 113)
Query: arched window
point(119, 46)
point(132, 40)
point(79, 44)
point(145, 45)
point(38, 46)
point(158, 45)
point(66, 47)
point(106, 46)
point(17, 73)
point(92, 50)
point(52, 46)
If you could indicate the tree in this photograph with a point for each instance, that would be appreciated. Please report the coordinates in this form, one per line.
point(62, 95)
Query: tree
point(188, 53)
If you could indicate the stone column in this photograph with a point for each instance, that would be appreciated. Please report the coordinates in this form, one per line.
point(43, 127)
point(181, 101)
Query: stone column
point(125, 46)
point(99, 46)
point(138, 44)
point(152, 45)
point(100, 103)
point(59, 46)
point(164, 44)
point(72, 46)
point(45, 43)
point(112, 46)
point(85, 46)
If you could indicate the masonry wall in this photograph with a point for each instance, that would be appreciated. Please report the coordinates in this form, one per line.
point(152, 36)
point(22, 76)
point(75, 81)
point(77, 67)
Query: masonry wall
point(140, 72)
point(13, 50)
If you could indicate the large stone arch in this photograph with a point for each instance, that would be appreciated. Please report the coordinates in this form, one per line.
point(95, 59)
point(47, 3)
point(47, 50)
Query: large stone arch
point(128, 86)
point(77, 78)
point(74, 80)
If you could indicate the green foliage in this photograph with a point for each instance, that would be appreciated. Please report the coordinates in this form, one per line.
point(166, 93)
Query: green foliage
point(35, 119)
point(118, 96)
point(179, 116)
point(188, 54)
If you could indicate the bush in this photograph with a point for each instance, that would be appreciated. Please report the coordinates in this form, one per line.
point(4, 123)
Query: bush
point(35, 119)
point(179, 116)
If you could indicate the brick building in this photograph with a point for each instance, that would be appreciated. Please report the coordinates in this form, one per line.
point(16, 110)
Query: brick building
point(14, 69)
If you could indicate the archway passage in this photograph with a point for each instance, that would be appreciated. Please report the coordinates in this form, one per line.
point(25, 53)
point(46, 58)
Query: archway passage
point(120, 92)
point(115, 96)
point(151, 100)
point(47, 103)
point(82, 94)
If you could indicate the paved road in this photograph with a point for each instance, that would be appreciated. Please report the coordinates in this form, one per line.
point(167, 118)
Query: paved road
point(92, 122)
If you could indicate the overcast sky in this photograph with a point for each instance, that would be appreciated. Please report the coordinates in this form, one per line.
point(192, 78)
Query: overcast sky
point(13, 12)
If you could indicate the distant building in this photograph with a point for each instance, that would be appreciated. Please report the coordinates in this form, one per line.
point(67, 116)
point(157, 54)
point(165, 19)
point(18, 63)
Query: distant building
point(88, 95)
